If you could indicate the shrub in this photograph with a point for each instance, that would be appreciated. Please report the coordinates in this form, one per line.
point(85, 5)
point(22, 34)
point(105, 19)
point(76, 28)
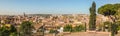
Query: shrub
point(52, 31)
point(79, 28)
point(67, 28)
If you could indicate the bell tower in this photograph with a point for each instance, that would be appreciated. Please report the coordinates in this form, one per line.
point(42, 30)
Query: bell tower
point(24, 14)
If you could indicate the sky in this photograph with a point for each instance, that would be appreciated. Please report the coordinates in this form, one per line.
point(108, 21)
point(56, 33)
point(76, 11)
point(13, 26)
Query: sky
point(16, 7)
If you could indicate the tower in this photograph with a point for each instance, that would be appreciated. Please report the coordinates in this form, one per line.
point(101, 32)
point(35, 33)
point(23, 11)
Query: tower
point(24, 14)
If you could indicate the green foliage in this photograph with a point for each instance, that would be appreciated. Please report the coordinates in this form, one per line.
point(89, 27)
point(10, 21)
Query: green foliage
point(109, 9)
point(118, 28)
point(13, 29)
point(13, 34)
point(118, 23)
point(26, 28)
point(4, 31)
point(92, 21)
point(114, 29)
point(107, 25)
point(52, 31)
point(79, 28)
point(106, 10)
point(67, 28)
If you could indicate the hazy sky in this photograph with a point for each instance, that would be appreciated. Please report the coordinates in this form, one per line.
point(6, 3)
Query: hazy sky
point(49, 6)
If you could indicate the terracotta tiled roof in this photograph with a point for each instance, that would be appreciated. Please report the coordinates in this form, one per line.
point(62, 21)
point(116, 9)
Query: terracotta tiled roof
point(37, 26)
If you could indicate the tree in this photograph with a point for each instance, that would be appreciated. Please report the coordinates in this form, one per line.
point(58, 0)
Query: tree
point(4, 31)
point(13, 31)
point(68, 28)
point(26, 28)
point(107, 10)
point(7, 30)
point(110, 10)
point(92, 21)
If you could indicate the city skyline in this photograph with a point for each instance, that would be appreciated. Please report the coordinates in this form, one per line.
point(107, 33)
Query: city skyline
point(15, 7)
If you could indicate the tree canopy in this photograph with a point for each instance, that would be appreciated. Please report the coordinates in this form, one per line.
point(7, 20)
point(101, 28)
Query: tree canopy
point(109, 9)
point(7, 30)
point(26, 28)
